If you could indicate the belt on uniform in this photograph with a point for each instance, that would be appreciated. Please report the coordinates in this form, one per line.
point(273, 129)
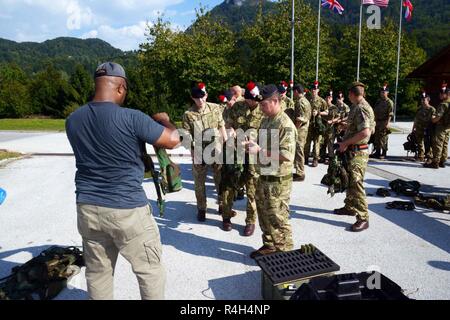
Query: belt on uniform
point(275, 179)
point(358, 147)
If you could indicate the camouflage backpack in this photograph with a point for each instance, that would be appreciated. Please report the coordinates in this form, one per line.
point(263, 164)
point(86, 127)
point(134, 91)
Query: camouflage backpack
point(44, 276)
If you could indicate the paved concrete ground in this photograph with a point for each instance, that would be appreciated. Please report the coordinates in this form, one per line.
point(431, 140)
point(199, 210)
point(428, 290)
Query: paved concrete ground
point(202, 261)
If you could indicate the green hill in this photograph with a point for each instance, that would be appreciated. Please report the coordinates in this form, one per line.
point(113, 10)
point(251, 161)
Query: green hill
point(236, 13)
point(62, 53)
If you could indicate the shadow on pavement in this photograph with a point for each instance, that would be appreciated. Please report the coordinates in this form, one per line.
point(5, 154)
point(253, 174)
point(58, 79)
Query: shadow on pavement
point(442, 265)
point(177, 230)
point(245, 286)
point(427, 228)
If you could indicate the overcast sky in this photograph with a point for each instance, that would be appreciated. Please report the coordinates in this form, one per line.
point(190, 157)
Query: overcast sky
point(119, 22)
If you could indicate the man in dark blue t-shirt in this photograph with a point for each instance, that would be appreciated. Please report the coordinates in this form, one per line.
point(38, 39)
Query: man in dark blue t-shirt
point(113, 211)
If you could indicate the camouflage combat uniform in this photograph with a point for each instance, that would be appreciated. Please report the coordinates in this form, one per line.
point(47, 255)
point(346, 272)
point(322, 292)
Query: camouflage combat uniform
point(210, 117)
point(288, 106)
point(421, 123)
point(320, 105)
point(302, 117)
point(330, 134)
point(275, 185)
point(361, 117)
point(243, 117)
point(442, 133)
point(383, 110)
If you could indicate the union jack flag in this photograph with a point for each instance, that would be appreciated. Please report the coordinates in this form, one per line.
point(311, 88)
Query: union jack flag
point(333, 5)
point(409, 10)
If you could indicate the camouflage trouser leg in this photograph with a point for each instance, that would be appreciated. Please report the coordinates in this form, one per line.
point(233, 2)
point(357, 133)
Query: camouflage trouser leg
point(356, 200)
point(420, 136)
point(252, 211)
point(200, 171)
point(300, 152)
point(228, 201)
point(329, 138)
point(307, 150)
point(217, 173)
point(273, 199)
point(444, 156)
point(439, 143)
point(315, 139)
point(381, 137)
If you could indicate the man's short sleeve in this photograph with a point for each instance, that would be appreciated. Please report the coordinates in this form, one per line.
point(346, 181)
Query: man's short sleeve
point(391, 108)
point(287, 142)
point(362, 117)
point(146, 128)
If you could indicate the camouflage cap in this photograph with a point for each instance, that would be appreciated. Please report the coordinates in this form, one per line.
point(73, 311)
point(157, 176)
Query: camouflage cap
point(357, 84)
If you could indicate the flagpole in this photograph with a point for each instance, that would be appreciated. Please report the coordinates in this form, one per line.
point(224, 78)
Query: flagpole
point(398, 60)
point(359, 41)
point(293, 47)
point(318, 42)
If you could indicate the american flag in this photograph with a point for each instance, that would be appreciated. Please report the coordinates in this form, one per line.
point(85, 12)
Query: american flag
point(333, 5)
point(379, 3)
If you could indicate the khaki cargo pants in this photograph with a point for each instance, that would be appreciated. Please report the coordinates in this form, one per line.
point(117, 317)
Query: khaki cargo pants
point(134, 234)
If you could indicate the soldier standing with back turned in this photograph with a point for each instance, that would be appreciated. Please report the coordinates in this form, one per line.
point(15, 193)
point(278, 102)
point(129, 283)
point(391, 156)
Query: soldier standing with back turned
point(302, 118)
point(360, 126)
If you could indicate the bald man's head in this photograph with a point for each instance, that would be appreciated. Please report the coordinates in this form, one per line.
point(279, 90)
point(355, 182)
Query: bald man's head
point(112, 89)
point(237, 91)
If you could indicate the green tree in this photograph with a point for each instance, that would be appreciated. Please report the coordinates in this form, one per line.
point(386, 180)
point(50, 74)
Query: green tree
point(51, 92)
point(81, 81)
point(15, 101)
point(172, 61)
point(266, 54)
point(379, 62)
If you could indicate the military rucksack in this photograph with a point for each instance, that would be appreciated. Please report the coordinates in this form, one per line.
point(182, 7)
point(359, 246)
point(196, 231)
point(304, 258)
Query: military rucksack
point(411, 145)
point(336, 179)
point(43, 277)
point(439, 203)
point(405, 188)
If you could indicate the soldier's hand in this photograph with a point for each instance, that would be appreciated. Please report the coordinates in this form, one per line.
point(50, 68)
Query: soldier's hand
point(161, 117)
point(251, 147)
point(231, 133)
point(342, 147)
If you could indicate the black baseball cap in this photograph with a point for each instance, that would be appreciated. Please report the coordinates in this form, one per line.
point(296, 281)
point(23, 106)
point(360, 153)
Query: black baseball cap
point(110, 69)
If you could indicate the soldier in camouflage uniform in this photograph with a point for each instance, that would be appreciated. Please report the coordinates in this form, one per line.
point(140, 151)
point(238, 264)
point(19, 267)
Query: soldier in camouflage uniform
point(203, 116)
point(246, 115)
point(423, 121)
point(330, 134)
point(302, 118)
point(343, 110)
point(384, 111)
point(360, 126)
point(319, 110)
point(287, 104)
point(275, 181)
point(227, 101)
point(442, 130)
